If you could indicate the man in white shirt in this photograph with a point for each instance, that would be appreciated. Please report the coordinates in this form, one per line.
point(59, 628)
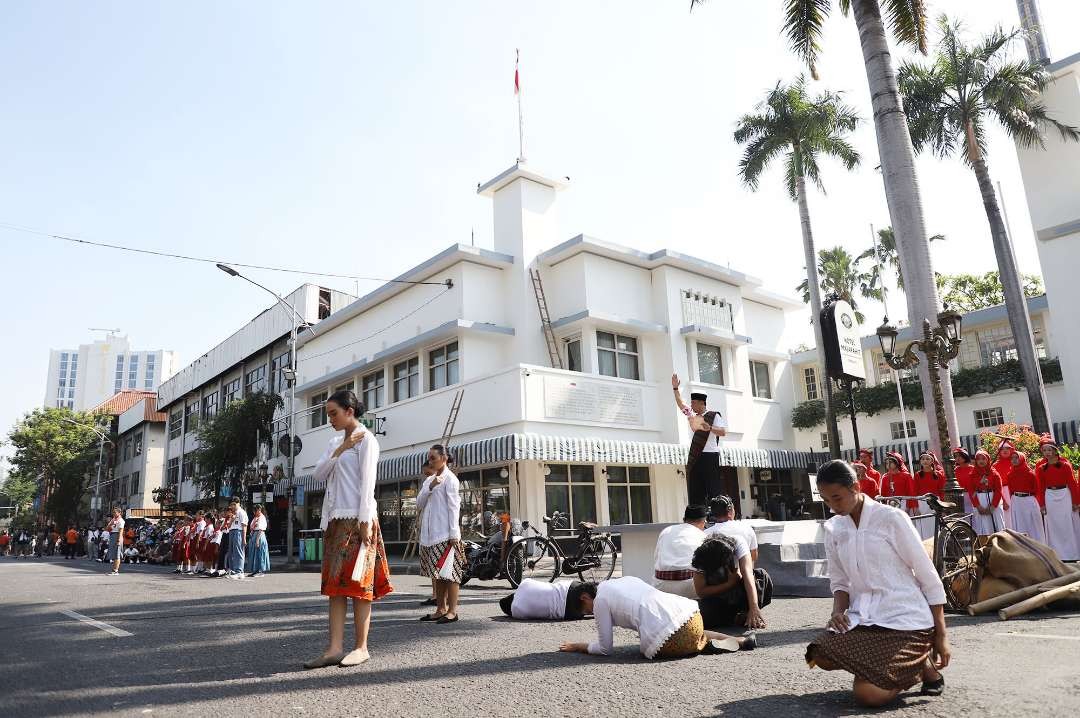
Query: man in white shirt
point(237, 540)
point(672, 572)
point(543, 601)
point(723, 510)
point(703, 459)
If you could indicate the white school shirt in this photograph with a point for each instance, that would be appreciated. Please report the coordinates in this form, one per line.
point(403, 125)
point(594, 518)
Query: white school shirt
point(200, 525)
point(116, 525)
point(209, 531)
point(540, 600)
point(350, 481)
point(712, 444)
point(629, 602)
point(441, 507)
point(240, 519)
point(883, 567)
point(258, 523)
point(736, 529)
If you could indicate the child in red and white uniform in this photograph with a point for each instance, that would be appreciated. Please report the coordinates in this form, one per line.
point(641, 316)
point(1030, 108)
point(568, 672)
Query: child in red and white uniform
point(1026, 498)
point(897, 481)
point(1061, 501)
point(197, 545)
point(929, 479)
point(867, 485)
point(963, 469)
point(1003, 465)
point(866, 458)
point(986, 497)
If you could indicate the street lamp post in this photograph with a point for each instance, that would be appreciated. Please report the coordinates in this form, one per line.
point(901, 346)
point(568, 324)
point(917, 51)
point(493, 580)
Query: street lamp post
point(95, 512)
point(940, 345)
point(290, 376)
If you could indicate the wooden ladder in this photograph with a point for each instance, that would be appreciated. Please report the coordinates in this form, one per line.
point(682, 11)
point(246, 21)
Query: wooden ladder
point(545, 320)
point(413, 544)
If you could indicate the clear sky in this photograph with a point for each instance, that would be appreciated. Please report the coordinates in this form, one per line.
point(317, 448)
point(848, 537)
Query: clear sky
point(349, 137)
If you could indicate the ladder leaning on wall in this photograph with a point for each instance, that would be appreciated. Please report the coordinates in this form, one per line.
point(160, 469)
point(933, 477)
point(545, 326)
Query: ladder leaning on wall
point(545, 320)
point(413, 545)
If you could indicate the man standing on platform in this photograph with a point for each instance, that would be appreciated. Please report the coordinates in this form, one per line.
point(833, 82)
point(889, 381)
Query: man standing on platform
point(703, 462)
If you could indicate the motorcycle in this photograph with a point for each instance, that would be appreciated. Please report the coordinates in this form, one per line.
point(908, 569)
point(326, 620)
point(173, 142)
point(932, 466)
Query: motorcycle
point(487, 561)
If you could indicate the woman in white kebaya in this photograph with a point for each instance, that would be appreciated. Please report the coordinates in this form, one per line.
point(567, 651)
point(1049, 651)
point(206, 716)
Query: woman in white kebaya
point(441, 556)
point(888, 618)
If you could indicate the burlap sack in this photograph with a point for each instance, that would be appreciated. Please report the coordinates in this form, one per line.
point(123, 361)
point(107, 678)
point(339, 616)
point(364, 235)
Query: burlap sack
point(1010, 560)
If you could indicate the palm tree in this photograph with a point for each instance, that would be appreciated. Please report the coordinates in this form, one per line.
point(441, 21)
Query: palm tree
point(841, 277)
point(804, 22)
point(886, 256)
point(950, 104)
point(791, 125)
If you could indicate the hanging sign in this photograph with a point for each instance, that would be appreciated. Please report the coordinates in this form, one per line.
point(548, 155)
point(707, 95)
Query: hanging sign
point(843, 343)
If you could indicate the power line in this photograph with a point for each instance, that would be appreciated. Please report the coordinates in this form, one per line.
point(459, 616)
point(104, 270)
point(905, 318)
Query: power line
point(397, 321)
point(104, 245)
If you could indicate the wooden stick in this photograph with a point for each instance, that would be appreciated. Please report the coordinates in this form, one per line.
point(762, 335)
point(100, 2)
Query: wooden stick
point(1008, 599)
point(1055, 594)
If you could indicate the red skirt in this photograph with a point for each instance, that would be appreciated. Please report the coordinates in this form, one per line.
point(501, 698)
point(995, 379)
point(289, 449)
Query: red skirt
point(341, 550)
point(210, 558)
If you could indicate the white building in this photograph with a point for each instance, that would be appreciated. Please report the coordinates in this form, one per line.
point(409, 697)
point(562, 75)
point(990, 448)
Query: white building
point(1052, 184)
point(139, 456)
point(599, 438)
point(82, 378)
point(987, 344)
point(249, 361)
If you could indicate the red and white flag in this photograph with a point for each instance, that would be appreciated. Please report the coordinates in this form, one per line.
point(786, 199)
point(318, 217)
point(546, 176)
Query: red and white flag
point(517, 83)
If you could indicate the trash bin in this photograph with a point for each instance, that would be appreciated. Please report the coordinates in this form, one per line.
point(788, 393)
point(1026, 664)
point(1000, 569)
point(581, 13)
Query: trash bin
point(301, 551)
point(311, 549)
point(320, 548)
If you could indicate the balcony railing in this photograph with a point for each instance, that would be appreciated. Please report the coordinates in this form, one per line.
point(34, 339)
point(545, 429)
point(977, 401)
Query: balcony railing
point(706, 310)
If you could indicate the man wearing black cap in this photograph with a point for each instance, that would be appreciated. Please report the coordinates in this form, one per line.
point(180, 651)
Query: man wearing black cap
point(703, 462)
point(675, 550)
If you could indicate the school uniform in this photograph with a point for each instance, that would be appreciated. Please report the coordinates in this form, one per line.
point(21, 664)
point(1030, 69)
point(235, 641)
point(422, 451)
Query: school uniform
point(927, 483)
point(1027, 501)
point(1061, 492)
point(986, 493)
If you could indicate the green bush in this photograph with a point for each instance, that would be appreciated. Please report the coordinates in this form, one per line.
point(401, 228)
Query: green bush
point(871, 400)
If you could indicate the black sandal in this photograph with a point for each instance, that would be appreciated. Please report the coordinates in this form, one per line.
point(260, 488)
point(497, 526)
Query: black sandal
point(429, 602)
point(436, 617)
point(444, 619)
point(934, 688)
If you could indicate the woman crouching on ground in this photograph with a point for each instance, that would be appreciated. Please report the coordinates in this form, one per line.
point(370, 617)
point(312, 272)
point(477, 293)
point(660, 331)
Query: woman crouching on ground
point(354, 557)
point(888, 618)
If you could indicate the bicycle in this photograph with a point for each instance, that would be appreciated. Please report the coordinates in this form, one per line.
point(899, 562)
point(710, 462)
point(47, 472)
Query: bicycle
point(955, 543)
point(539, 557)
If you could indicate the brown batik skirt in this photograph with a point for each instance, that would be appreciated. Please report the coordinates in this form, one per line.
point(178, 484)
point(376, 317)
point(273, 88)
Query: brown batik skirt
point(687, 641)
point(429, 560)
point(889, 659)
point(341, 550)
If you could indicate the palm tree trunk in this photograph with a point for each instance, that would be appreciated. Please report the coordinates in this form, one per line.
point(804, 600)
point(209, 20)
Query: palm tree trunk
point(814, 285)
point(902, 193)
point(1015, 303)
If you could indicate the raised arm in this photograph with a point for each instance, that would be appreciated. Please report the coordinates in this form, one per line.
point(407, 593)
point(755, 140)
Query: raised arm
point(675, 384)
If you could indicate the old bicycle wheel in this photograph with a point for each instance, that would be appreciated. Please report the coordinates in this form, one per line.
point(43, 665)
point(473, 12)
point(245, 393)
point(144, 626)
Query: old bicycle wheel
point(536, 558)
point(598, 561)
point(958, 569)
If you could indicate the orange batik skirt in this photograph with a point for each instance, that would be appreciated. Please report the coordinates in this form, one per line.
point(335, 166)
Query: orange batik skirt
point(341, 550)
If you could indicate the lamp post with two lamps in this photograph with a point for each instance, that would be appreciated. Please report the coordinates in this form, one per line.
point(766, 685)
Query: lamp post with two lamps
point(289, 373)
point(940, 344)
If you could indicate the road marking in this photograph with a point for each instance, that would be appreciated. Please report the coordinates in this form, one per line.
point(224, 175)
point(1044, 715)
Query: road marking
point(1040, 635)
point(119, 632)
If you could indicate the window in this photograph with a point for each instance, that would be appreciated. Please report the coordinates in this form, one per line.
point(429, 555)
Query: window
point(277, 372)
point(573, 353)
point(988, 418)
point(136, 447)
point(151, 360)
point(345, 387)
point(443, 366)
point(118, 382)
point(710, 364)
point(824, 439)
point(133, 371)
point(570, 489)
point(318, 415)
point(210, 406)
point(230, 392)
point(629, 495)
point(123, 487)
point(617, 355)
point(255, 380)
point(484, 493)
point(190, 468)
point(759, 379)
point(191, 417)
point(172, 472)
point(134, 487)
point(374, 394)
point(324, 303)
point(176, 423)
point(127, 449)
point(810, 380)
point(406, 379)
point(896, 428)
point(397, 509)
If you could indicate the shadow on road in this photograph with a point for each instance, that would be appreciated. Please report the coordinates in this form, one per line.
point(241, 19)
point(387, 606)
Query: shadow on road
point(826, 703)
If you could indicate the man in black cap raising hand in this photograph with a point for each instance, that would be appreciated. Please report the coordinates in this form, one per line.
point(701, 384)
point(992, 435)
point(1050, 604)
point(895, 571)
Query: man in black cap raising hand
point(703, 462)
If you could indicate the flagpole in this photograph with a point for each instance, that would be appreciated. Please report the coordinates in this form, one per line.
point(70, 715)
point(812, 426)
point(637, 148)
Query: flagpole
point(521, 117)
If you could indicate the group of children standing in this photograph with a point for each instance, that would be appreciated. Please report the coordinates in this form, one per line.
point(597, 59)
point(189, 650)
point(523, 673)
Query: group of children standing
point(203, 544)
point(1000, 493)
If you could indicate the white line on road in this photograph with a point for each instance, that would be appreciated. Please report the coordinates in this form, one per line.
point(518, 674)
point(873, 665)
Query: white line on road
point(119, 632)
point(1040, 635)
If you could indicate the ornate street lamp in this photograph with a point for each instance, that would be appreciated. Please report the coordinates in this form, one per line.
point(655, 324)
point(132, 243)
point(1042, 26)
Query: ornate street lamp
point(940, 344)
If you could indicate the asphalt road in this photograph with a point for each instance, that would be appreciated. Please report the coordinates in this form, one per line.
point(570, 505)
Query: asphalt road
point(215, 647)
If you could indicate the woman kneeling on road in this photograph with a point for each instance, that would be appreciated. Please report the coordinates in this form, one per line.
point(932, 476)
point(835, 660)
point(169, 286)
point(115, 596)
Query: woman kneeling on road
point(888, 619)
point(668, 626)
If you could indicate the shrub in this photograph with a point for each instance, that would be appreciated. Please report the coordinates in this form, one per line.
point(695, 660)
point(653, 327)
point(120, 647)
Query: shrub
point(1021, 436)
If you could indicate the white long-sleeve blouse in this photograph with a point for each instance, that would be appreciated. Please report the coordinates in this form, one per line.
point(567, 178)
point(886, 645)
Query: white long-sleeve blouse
point(629, 602)
point(350, 481)
point(882, 565)
point(440, 509)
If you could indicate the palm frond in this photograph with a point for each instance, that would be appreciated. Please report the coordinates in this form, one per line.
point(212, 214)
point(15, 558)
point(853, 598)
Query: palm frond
point(907, 19)
point(804, 21)
point(757, 156)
